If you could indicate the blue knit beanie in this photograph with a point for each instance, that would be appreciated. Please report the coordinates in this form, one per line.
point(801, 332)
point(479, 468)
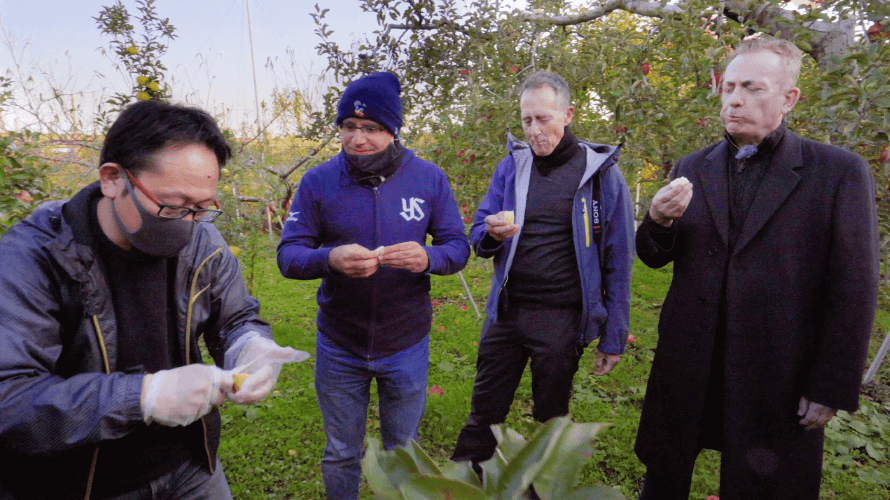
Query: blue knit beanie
point(373, 97)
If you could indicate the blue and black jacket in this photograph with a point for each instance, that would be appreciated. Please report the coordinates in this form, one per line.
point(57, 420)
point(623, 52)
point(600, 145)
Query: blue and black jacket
point(62, 395)
point(605, 267)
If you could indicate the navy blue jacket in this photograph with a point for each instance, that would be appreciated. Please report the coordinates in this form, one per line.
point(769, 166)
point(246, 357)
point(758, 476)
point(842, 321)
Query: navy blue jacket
point(605, 288)
point(390, 310)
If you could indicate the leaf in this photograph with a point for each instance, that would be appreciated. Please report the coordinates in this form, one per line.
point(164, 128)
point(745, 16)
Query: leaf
point(440, 488)
point(461, 471)
point(424, 463)
point(386, 470)
point(252, 413)
point(491, 472)
point(522, 470)
point(860, 427)
point(874, 453)
point(856, 441)
point(573, 449)
point(446, 367)
point(874, 476)
point(510, 442)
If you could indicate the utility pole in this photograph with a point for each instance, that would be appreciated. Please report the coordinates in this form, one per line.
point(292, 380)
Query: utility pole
point(256, 94)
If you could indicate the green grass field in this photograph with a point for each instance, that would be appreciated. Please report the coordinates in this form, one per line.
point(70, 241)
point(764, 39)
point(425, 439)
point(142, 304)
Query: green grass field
point(272, 450)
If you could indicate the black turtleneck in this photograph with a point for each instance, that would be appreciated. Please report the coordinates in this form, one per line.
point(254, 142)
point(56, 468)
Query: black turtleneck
point(545, 272)
point(562, 153)
point(745, 175)
point(141, 289)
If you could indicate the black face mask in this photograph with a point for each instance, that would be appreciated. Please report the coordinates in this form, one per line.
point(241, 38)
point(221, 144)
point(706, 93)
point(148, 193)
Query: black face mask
point(373, 163)
point(376, 167)
point(156, 236)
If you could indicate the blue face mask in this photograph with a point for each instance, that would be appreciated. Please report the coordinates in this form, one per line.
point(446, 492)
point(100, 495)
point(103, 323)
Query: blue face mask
point(156, 236)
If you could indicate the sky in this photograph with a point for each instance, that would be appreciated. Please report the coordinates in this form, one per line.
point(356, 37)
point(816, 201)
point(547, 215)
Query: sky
point(209, 61)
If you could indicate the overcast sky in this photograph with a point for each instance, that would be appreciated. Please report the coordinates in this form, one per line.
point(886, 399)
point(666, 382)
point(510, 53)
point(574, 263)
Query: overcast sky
point(64, 40)
point(209, 62)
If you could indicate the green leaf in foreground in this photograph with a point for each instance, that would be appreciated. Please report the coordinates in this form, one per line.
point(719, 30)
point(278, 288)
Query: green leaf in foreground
point(440, 488)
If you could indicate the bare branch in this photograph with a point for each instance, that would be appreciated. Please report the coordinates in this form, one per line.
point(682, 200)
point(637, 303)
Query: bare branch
point(64, 160)
point(301, 161)
point(251, 199)
point(828, 38)
point(648, 9)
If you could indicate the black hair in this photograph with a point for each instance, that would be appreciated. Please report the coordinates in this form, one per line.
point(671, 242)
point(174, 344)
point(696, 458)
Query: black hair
point(147, 127)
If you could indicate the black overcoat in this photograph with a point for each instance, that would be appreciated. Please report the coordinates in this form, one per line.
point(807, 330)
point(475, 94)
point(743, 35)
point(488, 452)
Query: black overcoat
point(800, 289)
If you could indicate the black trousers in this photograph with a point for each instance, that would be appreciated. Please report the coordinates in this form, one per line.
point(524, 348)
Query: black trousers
point(550, 338)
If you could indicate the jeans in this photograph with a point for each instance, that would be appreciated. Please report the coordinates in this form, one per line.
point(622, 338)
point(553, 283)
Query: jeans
point(343, 384)
point(191, 481)
point(550, 337)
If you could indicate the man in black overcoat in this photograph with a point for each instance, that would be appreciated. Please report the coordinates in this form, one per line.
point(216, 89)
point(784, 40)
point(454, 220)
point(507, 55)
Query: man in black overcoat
point(764, 333)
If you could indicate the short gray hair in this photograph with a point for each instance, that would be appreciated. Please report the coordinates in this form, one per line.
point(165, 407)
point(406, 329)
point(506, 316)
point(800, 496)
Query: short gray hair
point(790, 54)
point(538, 79)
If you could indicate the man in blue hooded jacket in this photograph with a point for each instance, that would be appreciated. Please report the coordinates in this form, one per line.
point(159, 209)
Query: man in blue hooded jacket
point(562, 265)
point(360, 222)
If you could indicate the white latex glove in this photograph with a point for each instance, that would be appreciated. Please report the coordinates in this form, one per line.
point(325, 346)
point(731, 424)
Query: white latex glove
point(182, 395)
point(262, 359)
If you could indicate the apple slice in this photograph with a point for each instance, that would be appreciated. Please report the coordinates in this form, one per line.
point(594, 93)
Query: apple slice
point(239, 379)
point(679, 181)
point(508, 216)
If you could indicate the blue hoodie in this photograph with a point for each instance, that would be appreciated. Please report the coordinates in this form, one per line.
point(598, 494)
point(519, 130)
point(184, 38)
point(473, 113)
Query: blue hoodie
point(390, 310)
point(605, 272)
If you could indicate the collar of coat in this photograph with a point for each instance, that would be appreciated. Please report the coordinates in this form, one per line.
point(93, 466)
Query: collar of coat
point(766, 146)
point(780, 180)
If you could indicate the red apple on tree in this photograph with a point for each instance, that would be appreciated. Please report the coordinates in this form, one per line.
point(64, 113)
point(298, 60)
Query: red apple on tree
point(24, 196)
point(645, 68)
point(876, 32)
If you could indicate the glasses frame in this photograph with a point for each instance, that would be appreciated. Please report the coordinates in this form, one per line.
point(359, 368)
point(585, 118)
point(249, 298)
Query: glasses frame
point(200, 214)
point(355, 128)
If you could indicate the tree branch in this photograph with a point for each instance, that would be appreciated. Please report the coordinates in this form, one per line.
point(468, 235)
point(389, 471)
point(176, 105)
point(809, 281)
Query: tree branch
point(828, 38)
point(301, 161)
point(647, 9)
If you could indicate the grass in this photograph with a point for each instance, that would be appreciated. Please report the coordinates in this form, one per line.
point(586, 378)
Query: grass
point(272, 450)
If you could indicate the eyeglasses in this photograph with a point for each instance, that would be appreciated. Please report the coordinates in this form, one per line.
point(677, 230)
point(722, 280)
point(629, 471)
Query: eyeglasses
point(350, 128)
point(166, 211)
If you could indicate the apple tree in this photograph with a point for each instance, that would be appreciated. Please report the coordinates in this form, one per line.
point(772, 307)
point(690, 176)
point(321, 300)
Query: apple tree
point(644, 74)
point(137, 55)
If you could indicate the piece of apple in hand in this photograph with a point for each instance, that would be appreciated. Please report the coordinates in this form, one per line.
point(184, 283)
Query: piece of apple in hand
point(509, 216)
point(239, 379)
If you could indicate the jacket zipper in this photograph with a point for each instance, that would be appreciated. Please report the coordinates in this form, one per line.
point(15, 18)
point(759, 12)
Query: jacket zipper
point(374, 281)
point(193, 297)
point(586, 221)
point(104, 350)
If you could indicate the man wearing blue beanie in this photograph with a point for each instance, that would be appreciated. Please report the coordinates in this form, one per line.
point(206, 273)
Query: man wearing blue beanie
point(360, 223)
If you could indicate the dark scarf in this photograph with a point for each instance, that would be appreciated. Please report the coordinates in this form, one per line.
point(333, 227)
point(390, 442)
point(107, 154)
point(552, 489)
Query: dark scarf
point(755, 153)
point(372, 170)
point(564, 151)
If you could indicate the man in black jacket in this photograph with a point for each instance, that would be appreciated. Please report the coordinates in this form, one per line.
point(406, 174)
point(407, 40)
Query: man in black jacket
point(765, 330)
point(103, 392)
